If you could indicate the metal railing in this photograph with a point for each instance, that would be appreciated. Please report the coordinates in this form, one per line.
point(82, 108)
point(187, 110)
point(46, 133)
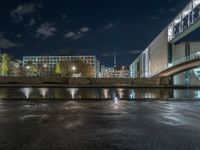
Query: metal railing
point(191, 57)
point(185, 59)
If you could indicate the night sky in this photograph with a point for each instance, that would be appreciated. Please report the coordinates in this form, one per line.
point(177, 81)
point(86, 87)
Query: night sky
point(81, 27)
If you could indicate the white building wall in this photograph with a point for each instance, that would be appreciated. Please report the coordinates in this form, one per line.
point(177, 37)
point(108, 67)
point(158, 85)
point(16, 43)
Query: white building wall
point(51, 61)
point(159, 53)
point(178, 51)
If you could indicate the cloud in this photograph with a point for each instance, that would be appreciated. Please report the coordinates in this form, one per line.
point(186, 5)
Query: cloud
point(109, 26)
point(161, 11)
point(46, 30)
point(24, 9)
point(6, 43)
point(154, 18)
point(172, 10)
point(32, 22)
point(64, 16)
point(77, 35)
point(85, 29)
point(19, 36)
point(72, 35)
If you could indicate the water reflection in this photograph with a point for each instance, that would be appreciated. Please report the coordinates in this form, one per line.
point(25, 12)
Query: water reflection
point(197, 94)
point(116, 100)
point(27, 92)
point(73, 92)
point(120, 93)
point(104, 93)
point(132, 94)
point(43, 92)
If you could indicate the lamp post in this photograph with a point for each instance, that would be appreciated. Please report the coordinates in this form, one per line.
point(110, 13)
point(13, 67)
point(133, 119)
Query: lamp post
point(45, 69)
point(73, 69)
point(28, 68)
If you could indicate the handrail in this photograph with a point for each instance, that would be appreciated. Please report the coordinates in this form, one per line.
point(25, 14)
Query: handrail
point(177, 62)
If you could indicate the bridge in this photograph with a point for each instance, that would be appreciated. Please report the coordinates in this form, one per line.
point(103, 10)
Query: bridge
point(186, 21)
point(166, 55)
point(180, 65)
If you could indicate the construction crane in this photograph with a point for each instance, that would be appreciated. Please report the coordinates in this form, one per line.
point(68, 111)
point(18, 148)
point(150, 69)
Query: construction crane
point(115, 54)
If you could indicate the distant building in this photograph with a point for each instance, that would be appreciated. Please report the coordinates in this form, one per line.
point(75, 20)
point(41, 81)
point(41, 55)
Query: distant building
point(106, 72)
point(98, 69)
point(50, 62)
point(111, 72)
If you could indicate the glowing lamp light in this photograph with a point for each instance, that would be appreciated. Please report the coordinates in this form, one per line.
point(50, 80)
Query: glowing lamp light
point(28, 67)
point(45, 65)
point(73, 68)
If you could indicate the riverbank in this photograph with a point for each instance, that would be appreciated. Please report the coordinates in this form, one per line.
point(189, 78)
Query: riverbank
point(83, 82)
point(89, 82)
point(97, 86)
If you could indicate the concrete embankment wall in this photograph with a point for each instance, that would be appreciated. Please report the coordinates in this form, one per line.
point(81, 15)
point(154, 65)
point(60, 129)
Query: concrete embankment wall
point(84, 81)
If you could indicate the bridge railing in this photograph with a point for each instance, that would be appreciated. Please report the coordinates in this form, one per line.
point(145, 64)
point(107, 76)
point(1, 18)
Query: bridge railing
point(185, 59)
point(184, 20)
point(191, 57)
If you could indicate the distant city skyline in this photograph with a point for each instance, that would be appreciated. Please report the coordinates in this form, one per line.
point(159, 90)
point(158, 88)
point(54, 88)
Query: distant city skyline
point(83, 27)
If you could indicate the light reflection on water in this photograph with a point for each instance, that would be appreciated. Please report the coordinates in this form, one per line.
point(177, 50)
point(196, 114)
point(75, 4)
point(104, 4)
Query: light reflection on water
point(105, 93)
point(73, 92)
point(132, 94)
point(120, 93)
point(197, 94)
point(27, 92)
point(99, 93)
point(43, 92)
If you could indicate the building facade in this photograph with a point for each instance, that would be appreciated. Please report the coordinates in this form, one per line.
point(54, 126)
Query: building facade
point(111, 72)
point(98, 69)
point(169, 48)
point(106, 72)
point(49, 62)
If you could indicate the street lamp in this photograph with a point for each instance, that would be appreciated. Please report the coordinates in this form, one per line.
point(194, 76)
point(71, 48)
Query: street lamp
point(45, 69)
point(45, 65)
point(73, 69)
point(28, 68)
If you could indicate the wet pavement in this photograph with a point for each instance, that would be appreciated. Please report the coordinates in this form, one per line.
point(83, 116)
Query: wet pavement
point(99, 125)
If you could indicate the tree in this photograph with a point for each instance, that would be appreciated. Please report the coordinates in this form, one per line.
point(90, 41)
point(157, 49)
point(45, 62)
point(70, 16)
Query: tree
point(31, 68)
point(58, 69)
point(5, 65)
point(85, 69)
point(65, 68)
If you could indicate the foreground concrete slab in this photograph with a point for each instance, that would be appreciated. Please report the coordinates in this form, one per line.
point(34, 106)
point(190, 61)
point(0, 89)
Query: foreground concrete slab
point(99, 125)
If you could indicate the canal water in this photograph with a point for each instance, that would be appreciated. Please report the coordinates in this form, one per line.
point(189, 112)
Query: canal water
point(97, 93)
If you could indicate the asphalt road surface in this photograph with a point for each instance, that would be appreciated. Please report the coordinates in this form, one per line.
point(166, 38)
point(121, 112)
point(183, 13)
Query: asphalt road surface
point(99, 125)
